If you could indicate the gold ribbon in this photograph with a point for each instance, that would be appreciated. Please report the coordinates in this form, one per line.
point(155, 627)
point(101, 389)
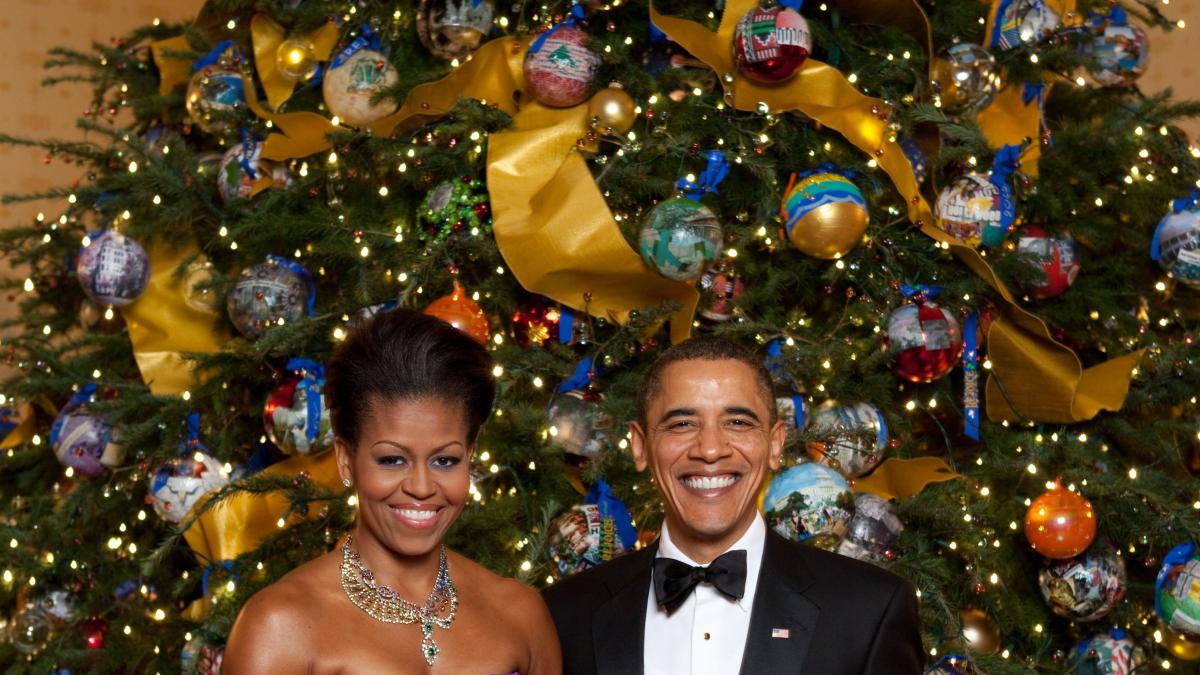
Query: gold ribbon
point(26, 429)
point(904, 478)
point(163, 326)
point(267, 35)
point(173, 71)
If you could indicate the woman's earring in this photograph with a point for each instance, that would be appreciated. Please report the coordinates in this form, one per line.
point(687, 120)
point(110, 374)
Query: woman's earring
point(346, 482)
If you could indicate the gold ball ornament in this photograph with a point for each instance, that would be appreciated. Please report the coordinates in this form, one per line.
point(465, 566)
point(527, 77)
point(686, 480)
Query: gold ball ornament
point(824, 215)
point(980, 632)
point(1180, 646)
point(613, 110)
point(296, 59)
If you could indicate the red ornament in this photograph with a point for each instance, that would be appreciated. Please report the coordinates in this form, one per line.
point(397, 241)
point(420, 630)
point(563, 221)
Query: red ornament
point(770, 44)
point(721, 288)
point(925, 341)
point(560, 73)
point(1060, 524)
point(1059, 260)
point(536, 324)
point(460, 311)
point(94, 630)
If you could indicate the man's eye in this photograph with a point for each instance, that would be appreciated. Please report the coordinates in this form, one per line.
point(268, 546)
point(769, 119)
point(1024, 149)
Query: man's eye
point(681, 424)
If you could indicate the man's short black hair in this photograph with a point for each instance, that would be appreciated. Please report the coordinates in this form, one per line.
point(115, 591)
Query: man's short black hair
point(402, 355)
point(704, 348)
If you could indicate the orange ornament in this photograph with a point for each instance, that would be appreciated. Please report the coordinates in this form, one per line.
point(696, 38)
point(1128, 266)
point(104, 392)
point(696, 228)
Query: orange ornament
point(460, 311)
point(1060, 524)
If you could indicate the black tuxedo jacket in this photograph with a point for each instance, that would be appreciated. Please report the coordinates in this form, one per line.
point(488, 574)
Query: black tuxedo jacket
point(842, 616)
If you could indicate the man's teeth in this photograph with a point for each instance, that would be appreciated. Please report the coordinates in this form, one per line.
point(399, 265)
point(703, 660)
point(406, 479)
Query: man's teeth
point(413, 514)
point(709, 482)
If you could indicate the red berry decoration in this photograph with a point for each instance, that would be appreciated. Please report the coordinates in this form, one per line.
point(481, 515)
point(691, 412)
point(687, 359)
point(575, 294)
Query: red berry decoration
point(925, 341)
point(1060, 524)
point(1057, 256)
point(770, 44)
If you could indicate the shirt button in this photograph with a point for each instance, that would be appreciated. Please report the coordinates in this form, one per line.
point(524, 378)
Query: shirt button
point(706, 636)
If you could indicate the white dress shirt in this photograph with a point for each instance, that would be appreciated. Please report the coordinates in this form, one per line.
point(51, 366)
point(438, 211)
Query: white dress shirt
point(707, 634)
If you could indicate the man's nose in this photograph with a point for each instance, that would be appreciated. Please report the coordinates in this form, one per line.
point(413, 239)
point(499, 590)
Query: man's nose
point(710, 445)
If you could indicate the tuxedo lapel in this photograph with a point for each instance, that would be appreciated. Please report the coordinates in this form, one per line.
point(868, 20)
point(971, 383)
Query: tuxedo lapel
point(619, 625)
point(783, 620)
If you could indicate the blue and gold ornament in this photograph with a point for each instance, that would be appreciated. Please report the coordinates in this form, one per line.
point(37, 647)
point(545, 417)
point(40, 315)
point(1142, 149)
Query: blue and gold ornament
point(355, 78)
point(1176, 242)
point(979, 210)
point(681, 236)
point(1023, 22)
point(824, 213)
point(1118, 49)
point(215, 93)
point(590, 533)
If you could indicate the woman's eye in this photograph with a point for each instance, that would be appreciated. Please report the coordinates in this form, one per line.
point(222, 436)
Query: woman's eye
point(446, 462)
point(390, 460)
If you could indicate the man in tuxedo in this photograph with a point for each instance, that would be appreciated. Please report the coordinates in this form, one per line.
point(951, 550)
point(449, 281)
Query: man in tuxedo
point(719, 592)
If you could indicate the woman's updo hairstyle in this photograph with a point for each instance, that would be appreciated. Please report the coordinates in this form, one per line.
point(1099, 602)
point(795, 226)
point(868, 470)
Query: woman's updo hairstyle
point(401, 355)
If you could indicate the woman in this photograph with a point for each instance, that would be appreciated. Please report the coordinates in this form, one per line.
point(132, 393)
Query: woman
point(407, 394)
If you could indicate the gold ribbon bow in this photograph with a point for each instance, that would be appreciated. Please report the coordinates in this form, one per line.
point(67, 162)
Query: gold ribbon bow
point(267, 35)
point(173, 71)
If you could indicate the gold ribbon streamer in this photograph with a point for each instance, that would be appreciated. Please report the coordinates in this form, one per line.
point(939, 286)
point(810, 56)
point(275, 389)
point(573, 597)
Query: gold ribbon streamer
point(163, 325)
point(26, 429)
point(904, 478)
point(173, 71)
point(267, 35)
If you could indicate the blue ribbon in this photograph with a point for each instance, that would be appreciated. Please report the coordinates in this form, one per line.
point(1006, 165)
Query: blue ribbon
point(211, 58)
point(579, 379)
point(1002, 169)
point(367, 39)
point(601, 495)
point(191, 437)
point(1033, 90)
point(800, 418)
point(657, 37)
point(566, 325)
point(312, 378)
point(226, 565)
point(793, 5)
point(971, 375)
point(921, 292)
point(996, 31)
point(248, 147)
point(1177, 556)
point(572, 19)
point(80, 397)
point(1177, 206)
point(302, 272)
point(713, 174)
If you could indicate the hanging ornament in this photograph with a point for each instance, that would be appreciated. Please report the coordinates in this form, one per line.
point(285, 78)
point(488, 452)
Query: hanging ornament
point(578, 424)
point(1023, 22)
point(539, 322)
point(924, 339)
point(1176, 241)
point(916, 157)
point(1118, 49)
point(270, 294)
point(200, 658)
point(215, 94)
point(82, 440)
point(296, 59)
point(966, 76)
point(980, 632)
point(590, 533)
point(1176, 600)
point(953, 664)
point(460, 311)
point(1083, 588)
point(720, 287)
point(771, 43)
point(455, 206)
point(454, 29)
point(243, 172)
point(979, 210)
point(1057, 257)
point(681, 237)
point(1111, 653)
point(559, 65)
point(1181, 646)
point(874, 532)
point(613, 110)
point(1060, 523)
point(95, 632)
point(295, 415)
point(810, 502)
point(355, 77)
point(179, 483)
point(30, 630)
point(824, 213)
point(851, 439)
point(112, 269)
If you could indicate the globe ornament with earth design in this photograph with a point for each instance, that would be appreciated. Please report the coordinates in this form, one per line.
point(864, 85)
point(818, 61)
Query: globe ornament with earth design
point(680, 238)
point(215, 97)
point(1059, 523)
point(460, 311)
point(241, 167)
point(771, 43)
point(1084, 588)
point(562, 70)
point(1177, 600)
point(590, 533)
point(1056, 256)
point(967, 77)
point(925, 341)
point(578, 424)
point(1118, 50)
point(1111, 653)
point(613, 110)
point(84, 442)
point(112, 269)
point(1176, 244)
point(874, 531)
point(810, 502)
point(296, 59)
point(1024, 22)
point(969, 209)
point(720, 288)
point(266, 295)
point(850, 439)
point(295, 415)
point(355, 77)
point(824, 214)
point(179, 484)
point(455, 206)
point(980, 632)
point(454, 29)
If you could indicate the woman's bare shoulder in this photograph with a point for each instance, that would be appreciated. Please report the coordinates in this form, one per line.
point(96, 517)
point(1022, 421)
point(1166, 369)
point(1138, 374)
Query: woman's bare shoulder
point(507, 597)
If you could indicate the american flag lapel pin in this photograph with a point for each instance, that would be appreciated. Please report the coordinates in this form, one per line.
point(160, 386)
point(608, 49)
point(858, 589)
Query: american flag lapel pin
point(781, 633)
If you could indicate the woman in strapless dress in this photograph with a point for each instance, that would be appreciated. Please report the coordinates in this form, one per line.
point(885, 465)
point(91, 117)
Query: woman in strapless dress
point(407, 395)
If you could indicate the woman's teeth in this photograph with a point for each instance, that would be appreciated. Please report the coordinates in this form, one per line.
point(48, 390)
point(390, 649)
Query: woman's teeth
point(709, 482)
point(412, 514)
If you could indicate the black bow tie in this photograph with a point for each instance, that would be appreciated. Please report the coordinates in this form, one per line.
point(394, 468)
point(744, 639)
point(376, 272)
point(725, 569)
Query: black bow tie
point(674, 580)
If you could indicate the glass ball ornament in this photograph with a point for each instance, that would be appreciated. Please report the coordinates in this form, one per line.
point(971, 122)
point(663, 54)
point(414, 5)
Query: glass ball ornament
point(810, 502)
point(460, 311)
point(917, 158)
point(266, 295)
point(454, 29)
point(580, 538)
point(578, 424)
point(1057, 256)
point(1176, 600)
point(1178, 243)
point(613, 109)
point(241, 167)
point(969, 209)
point(874, 532)
point(84, 442)
point(296, 59)
point(95, 632)
point(350, 87)
point(851, 438)
point(30, 630)
point(1111, 653)
point(215, 95)
point(720, 288)
point(771, 43)
point(925, 341)
point(112, 269)
point(966, 76)
point(1181, 646)
point(824, 215)
point(561, 73)
point(1025, 22)
point(179, 484)
point(296, 417)
point(1118, 54)
point(1083, 588)
point(1060, 523)
point(980, 632)
point(680, 238)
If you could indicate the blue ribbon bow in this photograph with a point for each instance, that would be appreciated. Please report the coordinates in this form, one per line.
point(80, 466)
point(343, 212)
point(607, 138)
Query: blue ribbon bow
point(714, 173)
point(84, 395)
point(580, 377)
point(921, 292)
point(1033, 90)
point(793, 5)
point(312, 378)
point(211, 58)
point(191, 437)
point(302, 272)
point(249, 145)
point(601, 495)
point(566, 325)
point(1177, 206)
point(367, 39)
point(572, 20)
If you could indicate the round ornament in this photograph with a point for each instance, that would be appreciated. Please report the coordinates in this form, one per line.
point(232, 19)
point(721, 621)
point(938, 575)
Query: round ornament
point(1057, 256)
point(852, 438)
point(1177, 245)
point(967, 76)
point(681, 238)
point(200, 658)
point(980, 632)
point(460, 311)
point(1111, 653)
point(1180, 646)
point(1060, 524)
point(916, 157)
point(953, 664)
point(578, 424)
point(591, 533)
point(1118, 52)
point(1176, 599)
point(1024, 22)
point(180, 483)
point(30, 629)
point(810, 502)
point(296, 59)
point(95, 632)
point(969, 209)
point(84, 442)
point(353, 81)
point(240, 169)
point(925, 341)
point(214, 96)
point(560, 73)
point(266, 295)
point(112, 269)
point(770, 43)
point(536, 323)
point(613, 110)
point(455, 206)
point(197, 288)
point(720, 287)
point(824, 215)
point(1083, 588)
point(874, 531)
point(295, 415)
point(453, 29)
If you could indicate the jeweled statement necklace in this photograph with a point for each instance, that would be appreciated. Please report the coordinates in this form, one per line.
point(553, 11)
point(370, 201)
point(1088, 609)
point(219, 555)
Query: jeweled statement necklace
point(383, 604)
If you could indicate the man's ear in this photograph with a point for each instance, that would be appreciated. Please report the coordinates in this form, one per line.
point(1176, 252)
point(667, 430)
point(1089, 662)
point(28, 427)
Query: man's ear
point(637, 442)
point(345, 460)
point(775, 445)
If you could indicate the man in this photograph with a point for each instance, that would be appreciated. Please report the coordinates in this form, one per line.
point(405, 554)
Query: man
point(718, 592)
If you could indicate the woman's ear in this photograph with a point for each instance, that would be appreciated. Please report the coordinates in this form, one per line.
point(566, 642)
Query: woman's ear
point(345, 461)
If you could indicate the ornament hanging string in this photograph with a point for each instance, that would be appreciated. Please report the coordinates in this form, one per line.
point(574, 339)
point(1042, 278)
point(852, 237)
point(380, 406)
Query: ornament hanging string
point(302, 272)
point(714, 173)
point(971, 376)
point(367, 39)
point(1177, 206)
point(312, 378)
point(566, 325)
point(191, 439)
point(84, 395)
point(572, 20)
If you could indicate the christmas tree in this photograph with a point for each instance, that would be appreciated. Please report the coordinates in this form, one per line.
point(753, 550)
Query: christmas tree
point(961, 236)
